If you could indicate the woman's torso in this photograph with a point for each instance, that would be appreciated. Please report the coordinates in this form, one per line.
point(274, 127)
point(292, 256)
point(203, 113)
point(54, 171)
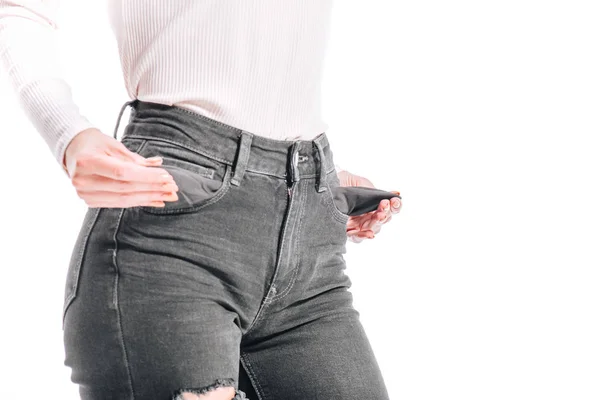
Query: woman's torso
point(253, 64)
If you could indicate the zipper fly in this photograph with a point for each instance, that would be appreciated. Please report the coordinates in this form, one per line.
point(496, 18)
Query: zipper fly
point(295, 163)
point(290, 189)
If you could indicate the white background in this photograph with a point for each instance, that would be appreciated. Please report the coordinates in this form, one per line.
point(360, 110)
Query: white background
point(484, 115)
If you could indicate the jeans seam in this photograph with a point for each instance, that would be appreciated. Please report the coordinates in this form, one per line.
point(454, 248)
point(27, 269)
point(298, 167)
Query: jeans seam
point(140, 147)
point(252, 375)
point(333, 210)
point(231, 127)
point(184, 146)
point(302, 176)
point(296, 253)
point(75, 286)
point(208, 119)
point(212, 157)
point(116, 302)
point(266, 300)
point(288, 287)
point(199, 169)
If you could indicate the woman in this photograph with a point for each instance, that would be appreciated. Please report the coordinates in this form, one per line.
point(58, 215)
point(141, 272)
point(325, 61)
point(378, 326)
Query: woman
point(210, 262)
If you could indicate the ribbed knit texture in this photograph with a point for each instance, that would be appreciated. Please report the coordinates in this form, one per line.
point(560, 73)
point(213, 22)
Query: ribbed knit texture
point(253, 64)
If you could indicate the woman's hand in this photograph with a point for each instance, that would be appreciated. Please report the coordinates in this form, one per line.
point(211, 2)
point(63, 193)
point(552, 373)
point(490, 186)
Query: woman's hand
point(106, 173)
point(368, 224)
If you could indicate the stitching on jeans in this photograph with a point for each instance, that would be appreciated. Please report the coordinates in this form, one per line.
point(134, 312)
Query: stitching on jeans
point(204, 117)
point(222, 191)
point(269, 299)
point(259, 317)
point(185, 146)
point(265, 173)
point(233, 128)
point(140, 147)
point(338, 215)
point(287, 290)
point(212, 157)
point(116, 299)
point(268, 173)
point(288, 287)
point(266, 300)
point(252, 375)
point(78, 265)
point(208, 172)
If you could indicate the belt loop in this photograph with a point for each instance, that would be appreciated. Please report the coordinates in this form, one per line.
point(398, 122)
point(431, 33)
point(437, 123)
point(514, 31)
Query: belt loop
point(127, 103)
point(241, 160)
point(321, 186)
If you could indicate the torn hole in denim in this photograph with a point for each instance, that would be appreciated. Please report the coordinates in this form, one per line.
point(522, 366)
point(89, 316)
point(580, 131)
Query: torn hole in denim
point(221, 382)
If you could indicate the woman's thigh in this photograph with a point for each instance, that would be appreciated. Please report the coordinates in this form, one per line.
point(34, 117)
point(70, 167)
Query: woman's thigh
point(146, 315)
point(315, 350)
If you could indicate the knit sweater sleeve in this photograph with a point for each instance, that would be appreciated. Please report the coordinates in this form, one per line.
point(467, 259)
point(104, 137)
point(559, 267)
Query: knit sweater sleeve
point(29, 55)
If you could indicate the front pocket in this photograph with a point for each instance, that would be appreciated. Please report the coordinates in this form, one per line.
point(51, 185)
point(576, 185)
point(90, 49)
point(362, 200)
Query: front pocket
point(201, 180)
point(197, 188)
point(332, 181)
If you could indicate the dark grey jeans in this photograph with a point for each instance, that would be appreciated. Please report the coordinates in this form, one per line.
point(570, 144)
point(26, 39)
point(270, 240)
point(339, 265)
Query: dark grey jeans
point(240, 282)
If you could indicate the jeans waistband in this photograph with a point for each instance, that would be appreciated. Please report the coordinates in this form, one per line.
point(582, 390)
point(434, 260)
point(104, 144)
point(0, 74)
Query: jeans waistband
point(244, 150)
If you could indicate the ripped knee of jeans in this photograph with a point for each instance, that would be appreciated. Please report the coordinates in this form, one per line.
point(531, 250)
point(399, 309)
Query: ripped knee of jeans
point(192, 393)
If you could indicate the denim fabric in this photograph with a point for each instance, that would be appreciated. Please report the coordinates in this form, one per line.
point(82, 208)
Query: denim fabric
point(240, 282)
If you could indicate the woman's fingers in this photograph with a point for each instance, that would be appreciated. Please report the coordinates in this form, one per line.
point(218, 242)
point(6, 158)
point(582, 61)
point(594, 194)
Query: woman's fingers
point(376, 228)
point(119, 169)
point(111, 199)
point(105, 173)
point(127, 155)
point(111, 205)
point(396, 205)
point(355, 223)
point(360, 236)
point(91, 183)
point(366, 226)
point(356, 238)
point(110, 181)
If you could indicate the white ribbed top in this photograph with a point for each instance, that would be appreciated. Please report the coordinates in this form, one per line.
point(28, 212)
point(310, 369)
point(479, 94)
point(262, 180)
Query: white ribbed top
point(253, 64)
